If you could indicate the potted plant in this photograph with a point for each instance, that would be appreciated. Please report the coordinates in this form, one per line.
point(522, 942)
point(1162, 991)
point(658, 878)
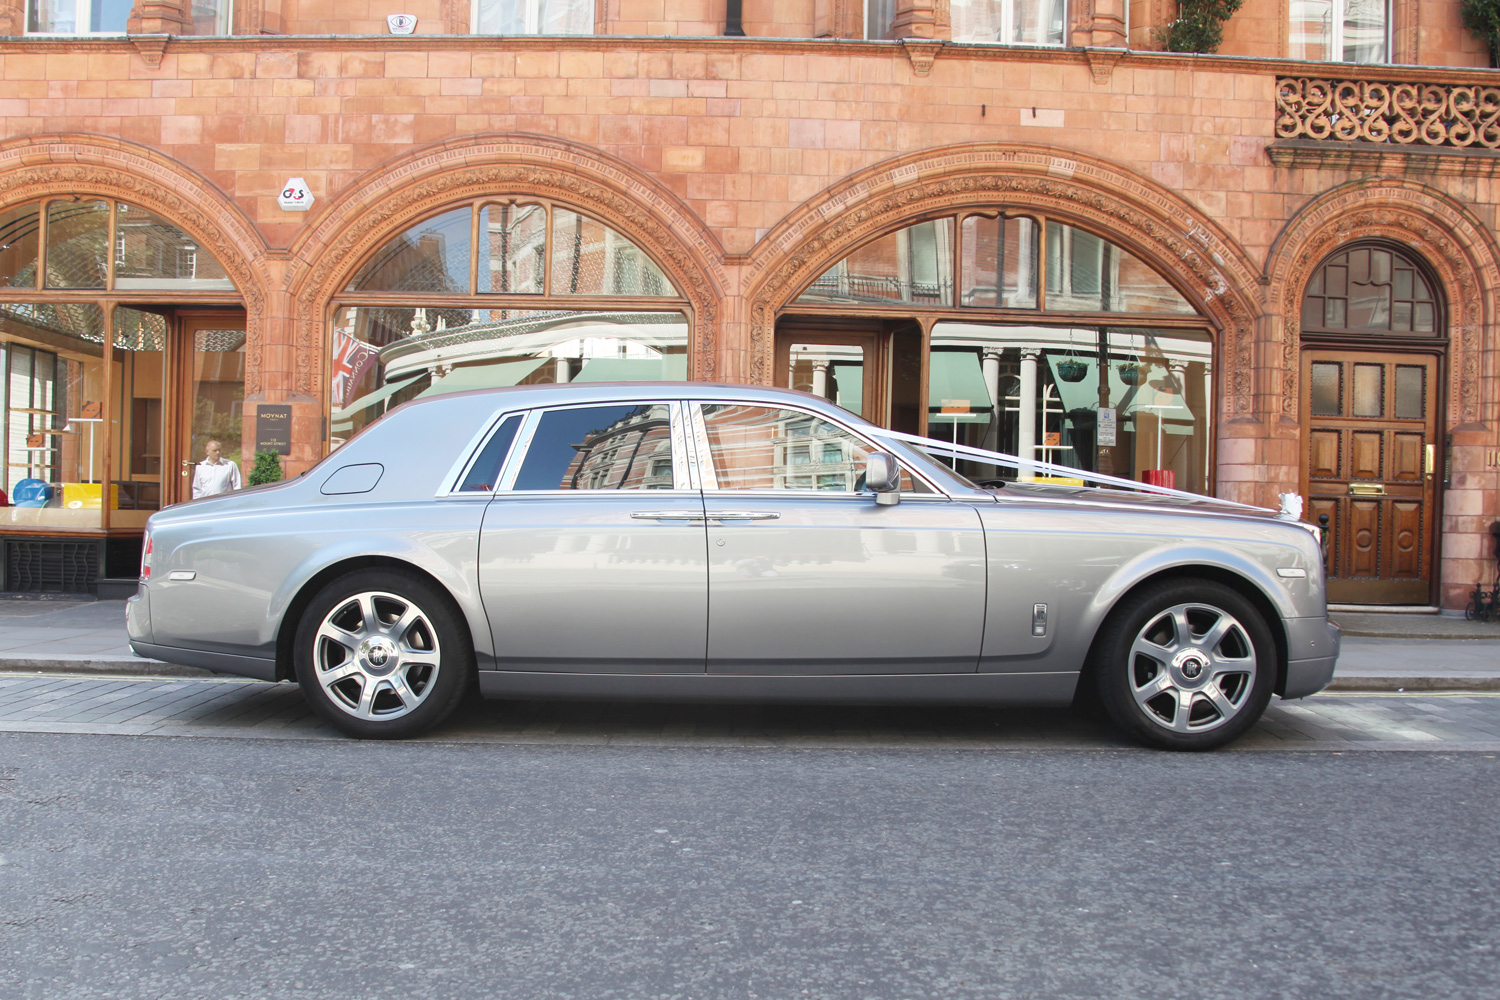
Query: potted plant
point(267, 469)
point(1072, 370)
point(1131, 372)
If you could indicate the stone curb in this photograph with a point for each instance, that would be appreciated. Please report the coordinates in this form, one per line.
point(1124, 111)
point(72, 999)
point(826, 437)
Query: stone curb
point(1424, 636)
point(141, 667)
point(130, 668)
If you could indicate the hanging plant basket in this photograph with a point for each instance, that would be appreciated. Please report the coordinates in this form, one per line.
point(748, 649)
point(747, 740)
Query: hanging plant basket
point(1131, 373)
point(1072, 371)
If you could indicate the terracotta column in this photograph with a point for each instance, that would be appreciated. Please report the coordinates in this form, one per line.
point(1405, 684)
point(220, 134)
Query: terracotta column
point(159, 17)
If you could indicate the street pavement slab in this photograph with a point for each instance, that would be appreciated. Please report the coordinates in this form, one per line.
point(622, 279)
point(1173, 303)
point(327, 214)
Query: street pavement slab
point(245, 709)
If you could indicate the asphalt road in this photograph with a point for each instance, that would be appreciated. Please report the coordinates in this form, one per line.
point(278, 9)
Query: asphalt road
point(218, 868)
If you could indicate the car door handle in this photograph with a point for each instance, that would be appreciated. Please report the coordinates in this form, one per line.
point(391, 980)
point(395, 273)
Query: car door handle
point(667, 515)
point(742, 515)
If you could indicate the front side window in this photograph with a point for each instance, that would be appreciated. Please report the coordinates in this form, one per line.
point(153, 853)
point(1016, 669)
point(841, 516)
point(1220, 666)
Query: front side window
point(1011, 22)
point(77, 17)
point(768, 448)
point(1351, 31)
point(533, 17)
point(621, 447)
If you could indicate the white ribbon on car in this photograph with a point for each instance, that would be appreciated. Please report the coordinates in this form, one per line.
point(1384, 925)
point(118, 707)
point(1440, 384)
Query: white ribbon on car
point(952, 450)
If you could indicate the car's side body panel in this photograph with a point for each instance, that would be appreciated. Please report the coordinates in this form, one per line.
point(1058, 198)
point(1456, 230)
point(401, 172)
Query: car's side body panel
point(841, 585)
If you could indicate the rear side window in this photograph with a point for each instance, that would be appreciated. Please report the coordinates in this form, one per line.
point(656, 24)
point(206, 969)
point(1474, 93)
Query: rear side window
point(621, 447)
point(484, 473)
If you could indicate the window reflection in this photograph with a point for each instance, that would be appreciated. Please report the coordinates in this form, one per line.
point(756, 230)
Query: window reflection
point(600, 448)
point(432, 256)
point(912, 265)
point(1086, 273)
point(383, 356)
point(766, 448)
point(77, 244)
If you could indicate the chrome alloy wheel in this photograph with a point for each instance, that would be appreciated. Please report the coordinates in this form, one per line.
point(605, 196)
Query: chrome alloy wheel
point(377, 656)
point(1192, 668)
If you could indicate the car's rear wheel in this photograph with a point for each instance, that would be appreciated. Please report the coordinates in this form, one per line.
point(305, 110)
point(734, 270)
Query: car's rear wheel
point(382, 654)
point(1185, 665)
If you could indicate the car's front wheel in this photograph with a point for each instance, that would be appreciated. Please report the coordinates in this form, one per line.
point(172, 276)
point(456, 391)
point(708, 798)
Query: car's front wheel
point(382, 654)
point(1185, 665)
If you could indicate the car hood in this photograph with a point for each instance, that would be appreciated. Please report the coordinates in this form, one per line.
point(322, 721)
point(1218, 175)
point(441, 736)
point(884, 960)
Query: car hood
point(1098, 497)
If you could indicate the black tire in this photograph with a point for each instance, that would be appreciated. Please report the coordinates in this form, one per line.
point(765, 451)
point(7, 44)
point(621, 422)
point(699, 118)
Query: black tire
point(1194, 693)
point(403, 648)
point(1473, 611)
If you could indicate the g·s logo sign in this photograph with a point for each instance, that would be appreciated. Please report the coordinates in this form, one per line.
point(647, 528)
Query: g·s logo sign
point(295, 197)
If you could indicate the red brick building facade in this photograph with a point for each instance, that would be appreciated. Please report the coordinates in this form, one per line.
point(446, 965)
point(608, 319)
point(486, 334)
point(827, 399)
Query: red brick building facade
point(1269, 274)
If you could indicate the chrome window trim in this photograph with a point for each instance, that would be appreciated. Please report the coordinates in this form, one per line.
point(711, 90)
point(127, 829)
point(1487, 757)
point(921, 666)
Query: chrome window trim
point(710, 476)
point(470, 454)
point(681, 478)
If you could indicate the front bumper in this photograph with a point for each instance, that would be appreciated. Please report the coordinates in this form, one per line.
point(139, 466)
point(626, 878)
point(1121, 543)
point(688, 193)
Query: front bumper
point(1312, 646)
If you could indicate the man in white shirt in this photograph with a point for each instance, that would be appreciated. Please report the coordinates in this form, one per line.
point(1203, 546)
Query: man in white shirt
point(215, 474)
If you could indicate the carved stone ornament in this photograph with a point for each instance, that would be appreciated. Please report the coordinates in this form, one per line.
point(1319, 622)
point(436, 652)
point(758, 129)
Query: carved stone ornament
point(1126, 208)
point(150, 48)
point(922, 52)
point(387, 201)
point(1102, 62)
point(1434, 228)
point(56, 164)
point(1402, 113)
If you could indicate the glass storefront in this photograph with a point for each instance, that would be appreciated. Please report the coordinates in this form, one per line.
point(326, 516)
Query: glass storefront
point(1054, 345)
point(551, 260)
point(1123, 402)
point(92, 367)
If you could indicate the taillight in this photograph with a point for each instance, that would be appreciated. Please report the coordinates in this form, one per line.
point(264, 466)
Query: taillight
point(146, 557)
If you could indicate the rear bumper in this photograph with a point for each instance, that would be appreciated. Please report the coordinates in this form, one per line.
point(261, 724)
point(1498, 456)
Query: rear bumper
point(138, 615)
point(1312, 651)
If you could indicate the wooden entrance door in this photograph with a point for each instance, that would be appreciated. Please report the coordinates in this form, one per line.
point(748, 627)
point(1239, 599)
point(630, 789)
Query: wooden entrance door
point(1370, 448)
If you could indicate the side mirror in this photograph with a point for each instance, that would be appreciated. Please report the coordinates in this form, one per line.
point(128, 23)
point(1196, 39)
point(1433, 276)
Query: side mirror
point(883, 477)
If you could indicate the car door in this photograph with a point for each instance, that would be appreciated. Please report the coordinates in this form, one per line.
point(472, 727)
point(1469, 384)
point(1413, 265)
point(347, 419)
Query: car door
point(807, 574)
point(593, 552)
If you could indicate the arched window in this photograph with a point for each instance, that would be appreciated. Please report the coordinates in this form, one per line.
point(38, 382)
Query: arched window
point(99, 404)
point(1017, 332)
point(1370, 289)
point(500, 292)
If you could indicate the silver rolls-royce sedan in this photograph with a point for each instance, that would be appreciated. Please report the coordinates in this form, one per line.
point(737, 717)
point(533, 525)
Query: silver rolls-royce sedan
point(700, 541)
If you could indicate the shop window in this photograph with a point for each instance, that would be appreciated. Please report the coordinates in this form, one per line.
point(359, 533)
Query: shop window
point(589, 258)
point(1370, 290)
point(1086, 273)
point(77, 244)
point(384, 355)
point(432, 256)
point(533, 17)
point(512, 249)
point(152, 253)
point(1122, 402)
point(913, 265)
point(600, 448)
point(1011, 22)
point(1351, 31)
point(19, 241)
point(77, 17)
point(999, 261)
point(52, 385)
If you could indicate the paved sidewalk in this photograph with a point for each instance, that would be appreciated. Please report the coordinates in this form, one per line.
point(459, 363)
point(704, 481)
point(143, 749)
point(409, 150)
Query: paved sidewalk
point(1380, 653)
point(243, 709)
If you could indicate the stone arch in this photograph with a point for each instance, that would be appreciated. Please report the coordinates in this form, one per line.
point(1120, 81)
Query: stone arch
point(403, 191)
point(68, 163)
point(1428, 225)
point(1178, 240)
